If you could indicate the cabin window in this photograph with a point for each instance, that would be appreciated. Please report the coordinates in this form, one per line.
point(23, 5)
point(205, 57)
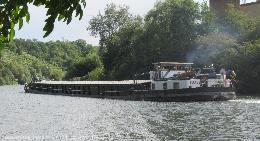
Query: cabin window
point(89, 90)
point(164, 85)
point(153, 86)
point(98, 89)
point(176, 85)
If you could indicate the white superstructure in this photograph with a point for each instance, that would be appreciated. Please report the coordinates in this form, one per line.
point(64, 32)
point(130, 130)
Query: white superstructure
point(175, 75)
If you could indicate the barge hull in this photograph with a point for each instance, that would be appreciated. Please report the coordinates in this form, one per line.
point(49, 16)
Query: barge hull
point(176, 95)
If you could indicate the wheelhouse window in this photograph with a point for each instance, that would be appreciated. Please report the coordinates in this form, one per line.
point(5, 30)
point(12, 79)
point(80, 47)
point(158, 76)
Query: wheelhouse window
point(164, 85)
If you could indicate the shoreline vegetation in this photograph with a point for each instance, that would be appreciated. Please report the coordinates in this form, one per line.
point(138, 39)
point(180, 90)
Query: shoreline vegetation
point(27, 60)
point(180, 30)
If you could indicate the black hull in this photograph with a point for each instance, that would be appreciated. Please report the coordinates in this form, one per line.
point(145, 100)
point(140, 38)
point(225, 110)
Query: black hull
point(182, 95)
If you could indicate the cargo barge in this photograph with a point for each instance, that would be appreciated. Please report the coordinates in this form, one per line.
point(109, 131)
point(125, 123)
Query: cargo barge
point(169, 82)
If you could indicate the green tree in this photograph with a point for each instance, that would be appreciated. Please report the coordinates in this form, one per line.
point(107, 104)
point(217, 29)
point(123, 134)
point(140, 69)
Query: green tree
point(105, 25)
point(26, 60)
point(209, 48)
point(206, 20)
point(88, 68)
point(244, 59)
point(234, 44)
point(166, 34)
point(172, 25)
point(123, 56)
point(236, 23)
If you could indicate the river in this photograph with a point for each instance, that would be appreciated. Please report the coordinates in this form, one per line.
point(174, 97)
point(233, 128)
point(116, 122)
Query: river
point(47, 117)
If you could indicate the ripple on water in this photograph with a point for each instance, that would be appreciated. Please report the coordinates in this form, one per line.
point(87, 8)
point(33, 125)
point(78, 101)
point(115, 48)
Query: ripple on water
point(38, 117)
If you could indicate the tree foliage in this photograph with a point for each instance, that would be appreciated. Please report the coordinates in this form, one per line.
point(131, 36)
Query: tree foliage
point(234, 45)
point(88, 68)
point(104, 26)
point(165, 34)
point(26, 60)
point(16, 12)
point(180, 30)
point(108, 27)
point(236, 23)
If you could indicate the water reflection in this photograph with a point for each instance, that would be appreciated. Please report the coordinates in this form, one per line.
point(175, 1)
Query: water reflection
point(38, 117)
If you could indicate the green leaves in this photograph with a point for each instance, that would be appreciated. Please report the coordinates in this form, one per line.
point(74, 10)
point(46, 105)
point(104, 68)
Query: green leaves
point(106, 25)
point(116, 29)
point(11, 14)
point(20, 23)
point(14, 12)
point(11, 35)
point(127, 42)
point(49, 26)
point(172, 28)
point(23, 60)
point(79, 12)
point(27, 17)
point(61, 10)
point(1, 46)
point(238, 23)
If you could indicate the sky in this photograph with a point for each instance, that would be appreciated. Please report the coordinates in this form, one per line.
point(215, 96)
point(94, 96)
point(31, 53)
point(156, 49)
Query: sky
point(77, 28)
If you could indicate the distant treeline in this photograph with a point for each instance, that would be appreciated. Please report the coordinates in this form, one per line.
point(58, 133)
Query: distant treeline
point(174, 30)
point(28, 60)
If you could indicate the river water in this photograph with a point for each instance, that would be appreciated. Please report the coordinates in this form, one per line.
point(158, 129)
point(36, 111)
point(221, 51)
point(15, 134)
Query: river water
point(47, 117)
